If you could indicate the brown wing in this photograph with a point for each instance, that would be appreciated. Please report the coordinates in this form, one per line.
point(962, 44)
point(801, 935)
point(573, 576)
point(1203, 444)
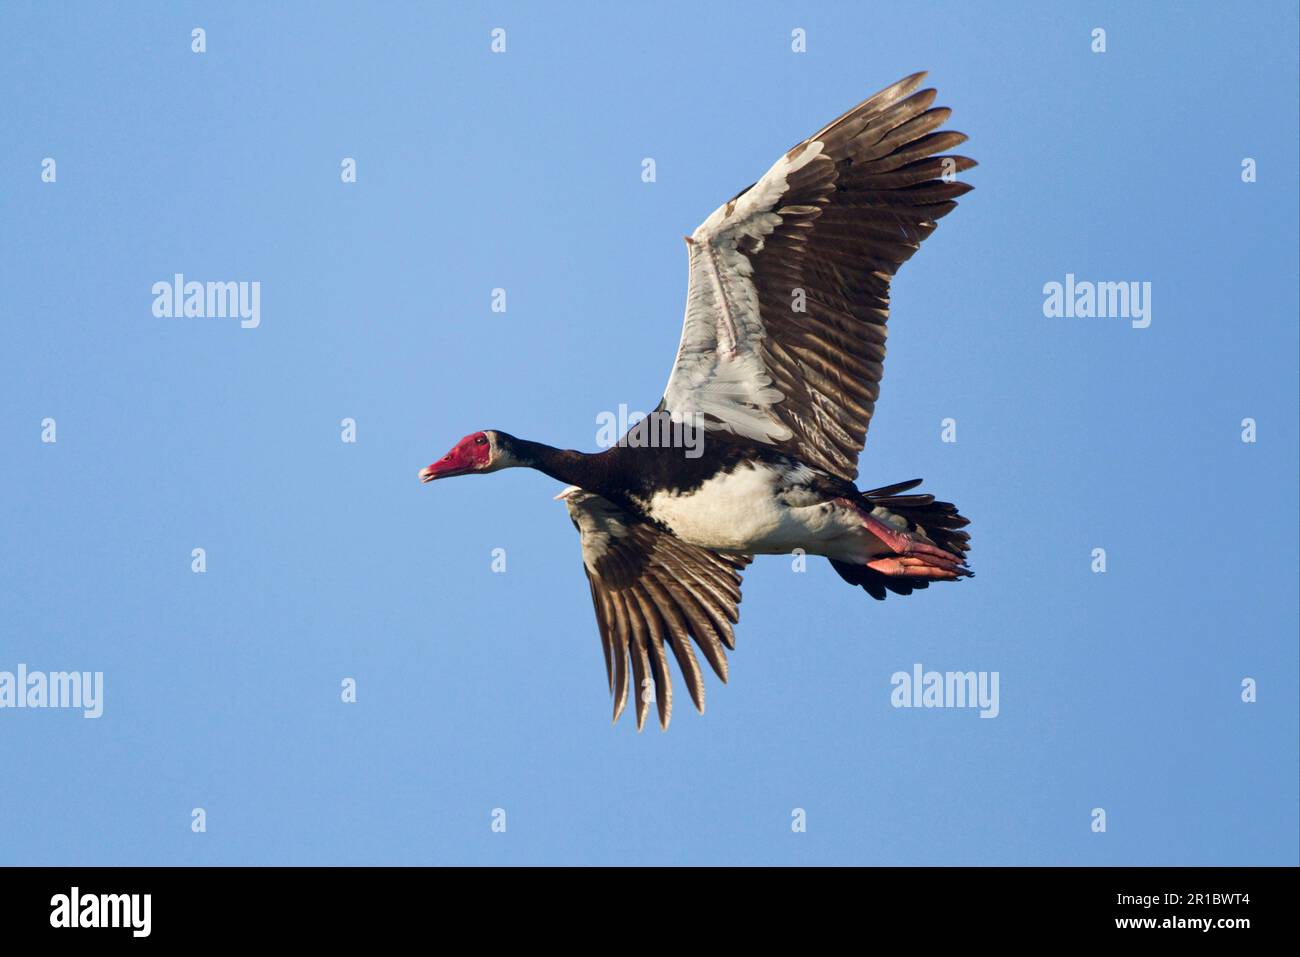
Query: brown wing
point(784, 337)
point(654, 593)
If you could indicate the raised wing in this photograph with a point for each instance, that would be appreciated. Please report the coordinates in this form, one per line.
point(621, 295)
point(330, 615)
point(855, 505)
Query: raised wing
point(789, 281)
point(654, 592)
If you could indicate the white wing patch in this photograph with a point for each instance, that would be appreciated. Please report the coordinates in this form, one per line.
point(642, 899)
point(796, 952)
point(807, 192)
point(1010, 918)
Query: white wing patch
point(719, 370)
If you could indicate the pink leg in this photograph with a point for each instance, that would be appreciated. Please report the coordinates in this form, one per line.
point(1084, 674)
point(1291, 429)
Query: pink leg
point(916, 568)
point(912, 557)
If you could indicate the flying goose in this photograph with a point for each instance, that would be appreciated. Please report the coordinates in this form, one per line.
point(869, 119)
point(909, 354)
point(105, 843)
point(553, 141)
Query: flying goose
point(753, 448)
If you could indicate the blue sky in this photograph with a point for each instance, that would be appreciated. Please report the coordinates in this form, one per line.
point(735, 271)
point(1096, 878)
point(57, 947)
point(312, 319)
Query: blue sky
point(480, 690)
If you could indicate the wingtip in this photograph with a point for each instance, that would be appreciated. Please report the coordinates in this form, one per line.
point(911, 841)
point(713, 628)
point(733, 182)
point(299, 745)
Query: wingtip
point(908, 85)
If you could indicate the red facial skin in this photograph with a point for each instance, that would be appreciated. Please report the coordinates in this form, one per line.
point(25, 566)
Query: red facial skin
point(468, 455)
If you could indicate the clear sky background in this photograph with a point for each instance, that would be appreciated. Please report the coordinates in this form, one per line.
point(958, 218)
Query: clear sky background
point(522, 170)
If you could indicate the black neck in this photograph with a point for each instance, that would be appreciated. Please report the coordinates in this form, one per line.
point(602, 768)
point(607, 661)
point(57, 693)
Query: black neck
point(563, 465)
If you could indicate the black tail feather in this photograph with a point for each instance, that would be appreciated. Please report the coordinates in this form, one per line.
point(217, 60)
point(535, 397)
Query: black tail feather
point(937, 522)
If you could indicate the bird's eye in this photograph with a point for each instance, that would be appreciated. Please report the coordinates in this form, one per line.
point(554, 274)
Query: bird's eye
point(481, 440)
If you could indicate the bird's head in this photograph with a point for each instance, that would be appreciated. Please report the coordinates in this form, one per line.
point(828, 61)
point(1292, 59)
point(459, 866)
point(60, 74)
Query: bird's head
point(485, 451)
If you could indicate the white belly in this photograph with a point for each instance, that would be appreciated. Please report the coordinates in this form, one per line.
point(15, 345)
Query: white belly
point(743, 511)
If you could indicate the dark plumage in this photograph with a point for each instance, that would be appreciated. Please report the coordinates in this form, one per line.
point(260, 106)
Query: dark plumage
point(778, 370)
